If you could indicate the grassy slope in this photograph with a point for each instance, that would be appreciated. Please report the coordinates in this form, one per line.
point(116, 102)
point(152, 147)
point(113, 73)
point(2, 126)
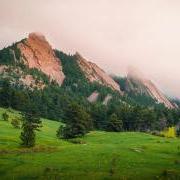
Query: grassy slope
point(104, 156)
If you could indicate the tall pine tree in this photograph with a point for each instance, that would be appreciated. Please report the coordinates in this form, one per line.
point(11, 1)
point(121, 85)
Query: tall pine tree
point(31, 123)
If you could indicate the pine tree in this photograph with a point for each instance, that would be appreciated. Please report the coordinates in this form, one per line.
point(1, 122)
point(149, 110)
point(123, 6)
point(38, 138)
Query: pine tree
point(114, 123)
point(78, 123)
point(31, 123)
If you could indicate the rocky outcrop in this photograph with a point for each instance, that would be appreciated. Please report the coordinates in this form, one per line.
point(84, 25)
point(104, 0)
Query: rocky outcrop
point(137, 84)
point(37, 53)
point(107, 99)
point(30, 82)
point(2, 68)
point(93, 97)
point(157, 94)
point(15, 75)
point(94, 73)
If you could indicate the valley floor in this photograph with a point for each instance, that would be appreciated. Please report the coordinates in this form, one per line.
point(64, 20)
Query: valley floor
point(103, 155)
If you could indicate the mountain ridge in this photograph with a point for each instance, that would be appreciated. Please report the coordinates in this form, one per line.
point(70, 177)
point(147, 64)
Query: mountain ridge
point(36, 52)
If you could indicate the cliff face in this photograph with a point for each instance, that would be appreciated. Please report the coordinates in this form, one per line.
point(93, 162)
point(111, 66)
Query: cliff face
point(137, 84)
point(158, 95)
point(93, 97)
point(37, 53)
point(94, 73)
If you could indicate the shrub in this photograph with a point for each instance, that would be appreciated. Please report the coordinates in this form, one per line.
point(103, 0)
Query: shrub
point(170, 132)
point(5, 116)
point(59, 132)
point(16, 123)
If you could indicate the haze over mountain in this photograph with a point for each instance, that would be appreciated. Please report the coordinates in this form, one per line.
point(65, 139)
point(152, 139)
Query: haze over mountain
point(34, 55)
point(137, 83)
point(113, 34)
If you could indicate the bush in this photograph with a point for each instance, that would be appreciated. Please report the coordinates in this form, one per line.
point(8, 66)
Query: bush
point(5, 116)
point(170, 132)
point(59, 132)
point(16, 123)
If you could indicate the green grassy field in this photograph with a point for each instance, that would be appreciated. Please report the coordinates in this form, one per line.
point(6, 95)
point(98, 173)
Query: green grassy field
point(103, 155)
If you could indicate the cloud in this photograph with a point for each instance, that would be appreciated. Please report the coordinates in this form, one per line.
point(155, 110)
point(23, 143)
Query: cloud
point(112, 33)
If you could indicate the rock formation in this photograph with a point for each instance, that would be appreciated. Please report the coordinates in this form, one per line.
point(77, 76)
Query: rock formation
point(30, 82)
point(37, 53)
point(93, 97)
point(137, 84)
point(94, 73)
point(2, 68)
point(107, 99)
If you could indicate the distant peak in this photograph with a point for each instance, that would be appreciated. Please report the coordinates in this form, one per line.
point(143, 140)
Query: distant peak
point(145, 86)
point(134, 72)
point(38, 53)
point(37, 35)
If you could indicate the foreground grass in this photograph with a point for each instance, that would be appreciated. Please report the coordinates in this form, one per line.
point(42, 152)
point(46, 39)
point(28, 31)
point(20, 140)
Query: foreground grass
point(103, 155)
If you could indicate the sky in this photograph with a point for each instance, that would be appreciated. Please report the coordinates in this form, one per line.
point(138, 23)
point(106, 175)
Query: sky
point(114, 34)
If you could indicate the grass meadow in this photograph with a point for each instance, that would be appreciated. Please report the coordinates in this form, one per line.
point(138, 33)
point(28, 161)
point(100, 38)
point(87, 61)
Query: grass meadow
point(100, 155)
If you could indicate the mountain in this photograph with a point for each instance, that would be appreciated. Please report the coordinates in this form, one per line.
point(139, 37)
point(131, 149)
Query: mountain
point(138, 85)
point(33, 73)
point(33, 63)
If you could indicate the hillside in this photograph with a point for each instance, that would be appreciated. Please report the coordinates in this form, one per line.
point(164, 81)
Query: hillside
point(32, 63)
point(103, 155)
point(31, 72)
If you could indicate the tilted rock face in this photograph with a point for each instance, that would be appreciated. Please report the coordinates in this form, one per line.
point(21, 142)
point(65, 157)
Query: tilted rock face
point(138, 84)
point(94, 73)
point(93, 97)
point(2, 68)
point(107, 99)
point(37, 53)
point(154, 92)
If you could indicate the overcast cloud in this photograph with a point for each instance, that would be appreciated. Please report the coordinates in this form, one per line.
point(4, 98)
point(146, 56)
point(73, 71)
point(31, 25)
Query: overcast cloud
point(114, 34)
